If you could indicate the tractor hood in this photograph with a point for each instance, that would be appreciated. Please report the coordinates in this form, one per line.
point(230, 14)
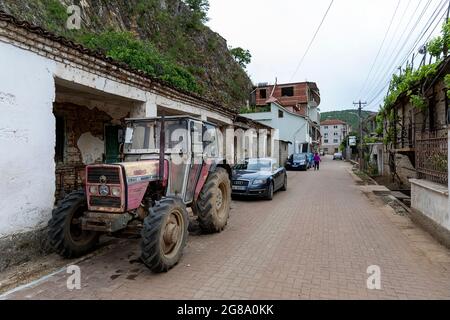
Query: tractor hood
point(120, 187)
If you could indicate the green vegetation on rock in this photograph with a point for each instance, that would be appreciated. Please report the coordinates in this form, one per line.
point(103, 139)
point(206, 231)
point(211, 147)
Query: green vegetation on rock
point(168, 40)
point(140, 55)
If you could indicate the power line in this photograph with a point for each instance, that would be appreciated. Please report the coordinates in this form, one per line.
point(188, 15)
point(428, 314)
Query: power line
point(381, 48)
point(390, 69)
point(427, 27)
point(390, 66)
point(388, 48)
point(312, 41)
point(429, 36)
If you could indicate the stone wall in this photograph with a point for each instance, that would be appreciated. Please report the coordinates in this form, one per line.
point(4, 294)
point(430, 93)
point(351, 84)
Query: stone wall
point(84, 132)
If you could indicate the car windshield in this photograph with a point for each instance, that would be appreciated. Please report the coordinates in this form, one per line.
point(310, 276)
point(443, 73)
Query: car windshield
point(255, 165)
point(299, 156)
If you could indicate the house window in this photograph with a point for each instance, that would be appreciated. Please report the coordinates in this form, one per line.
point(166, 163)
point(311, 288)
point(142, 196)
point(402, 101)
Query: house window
point(326, 127)
point(326, 135)
point(263, 93)
point(325, 150)
point(336, 134)
point(325, 141)
point(335, 141)
point(280, 114)
point(60, 139)
point(335, 127)
point(287, 92)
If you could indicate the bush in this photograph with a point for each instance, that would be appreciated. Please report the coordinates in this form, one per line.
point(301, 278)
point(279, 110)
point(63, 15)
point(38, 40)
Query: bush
point(140, 55)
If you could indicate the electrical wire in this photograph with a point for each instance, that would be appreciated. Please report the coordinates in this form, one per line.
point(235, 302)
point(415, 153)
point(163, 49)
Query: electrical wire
point(386, 72)
point(381, 48)
point(312, 41)
point(427, 26)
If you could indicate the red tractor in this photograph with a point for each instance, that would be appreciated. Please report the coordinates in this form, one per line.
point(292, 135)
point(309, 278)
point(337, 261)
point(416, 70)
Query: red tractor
point(169, 164)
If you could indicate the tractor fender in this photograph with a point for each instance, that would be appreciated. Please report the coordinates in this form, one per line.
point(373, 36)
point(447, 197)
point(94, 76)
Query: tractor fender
point(207, 168)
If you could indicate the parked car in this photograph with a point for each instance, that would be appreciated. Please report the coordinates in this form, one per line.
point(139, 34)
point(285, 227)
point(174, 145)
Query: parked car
point(298, 161)
point(338, 156)
point(258, 178)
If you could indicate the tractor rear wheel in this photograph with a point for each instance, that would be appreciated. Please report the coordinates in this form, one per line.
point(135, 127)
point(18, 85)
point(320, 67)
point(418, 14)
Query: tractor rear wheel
point(66, 235)
point(213, 204)
point(164, 235)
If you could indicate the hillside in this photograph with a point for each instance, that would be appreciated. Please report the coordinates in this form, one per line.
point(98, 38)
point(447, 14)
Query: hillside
point(165, 38)
point(348, 116)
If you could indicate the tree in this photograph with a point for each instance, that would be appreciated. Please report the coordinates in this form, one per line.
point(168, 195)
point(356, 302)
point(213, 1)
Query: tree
point(200, 9)
point(242, 56)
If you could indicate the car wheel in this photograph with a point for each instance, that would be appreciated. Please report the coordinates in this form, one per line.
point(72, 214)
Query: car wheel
point(270, 192)
point(284, 187)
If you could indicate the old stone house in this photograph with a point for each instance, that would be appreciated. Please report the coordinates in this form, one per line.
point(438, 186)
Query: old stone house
point(417, 155)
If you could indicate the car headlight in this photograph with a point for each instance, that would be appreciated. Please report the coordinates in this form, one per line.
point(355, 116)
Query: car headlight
point(115, 191)
point(93, 190)
point(104, 190)
point(259, 181)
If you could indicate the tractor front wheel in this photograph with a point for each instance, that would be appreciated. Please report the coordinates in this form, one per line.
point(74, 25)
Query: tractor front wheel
point(66, 235)
point(213, 204)
point(164, 235)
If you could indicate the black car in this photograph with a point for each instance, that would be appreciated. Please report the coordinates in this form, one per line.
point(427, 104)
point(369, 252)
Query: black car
point(298, 161)
point(258, 178)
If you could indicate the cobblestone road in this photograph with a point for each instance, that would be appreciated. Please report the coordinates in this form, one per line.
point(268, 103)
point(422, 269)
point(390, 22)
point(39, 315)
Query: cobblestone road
point(315, 241)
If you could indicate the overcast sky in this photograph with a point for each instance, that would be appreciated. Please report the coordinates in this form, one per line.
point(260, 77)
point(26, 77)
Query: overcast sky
point(277, 33)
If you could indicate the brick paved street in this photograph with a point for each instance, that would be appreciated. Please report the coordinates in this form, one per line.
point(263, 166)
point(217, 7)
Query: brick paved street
point(313, 242)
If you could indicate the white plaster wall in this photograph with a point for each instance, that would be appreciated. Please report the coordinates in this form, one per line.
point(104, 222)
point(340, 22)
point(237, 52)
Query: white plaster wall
point(432, 200)
point(91, 148)
point(291, 127)
point(27, 140)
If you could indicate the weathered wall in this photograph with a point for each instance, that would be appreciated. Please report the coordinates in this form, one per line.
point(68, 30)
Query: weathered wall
point(430, 203)
point(84, 142)
point(27, 140)
point(292, 127)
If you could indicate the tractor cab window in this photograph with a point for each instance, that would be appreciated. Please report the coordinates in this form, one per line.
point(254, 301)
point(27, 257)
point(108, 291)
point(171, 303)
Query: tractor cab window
point(210, 141)
point(142, 137)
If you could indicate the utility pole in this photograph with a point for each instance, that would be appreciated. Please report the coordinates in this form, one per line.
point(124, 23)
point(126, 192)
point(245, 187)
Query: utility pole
point(360, 106)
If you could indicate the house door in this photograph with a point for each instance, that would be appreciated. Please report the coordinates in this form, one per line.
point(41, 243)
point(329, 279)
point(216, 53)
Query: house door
point(112, 144)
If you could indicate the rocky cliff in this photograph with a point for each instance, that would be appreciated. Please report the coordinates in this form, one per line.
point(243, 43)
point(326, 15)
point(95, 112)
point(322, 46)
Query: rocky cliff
point(169, 25)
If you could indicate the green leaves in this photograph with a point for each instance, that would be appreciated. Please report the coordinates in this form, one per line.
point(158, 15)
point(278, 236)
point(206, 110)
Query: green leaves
point(419, 102)
point(140, 55)
point(447, 84)
point(243, 57)
point(436, 47)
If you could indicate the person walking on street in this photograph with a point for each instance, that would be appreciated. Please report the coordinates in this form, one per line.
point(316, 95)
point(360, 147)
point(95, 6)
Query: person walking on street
point(317, 162)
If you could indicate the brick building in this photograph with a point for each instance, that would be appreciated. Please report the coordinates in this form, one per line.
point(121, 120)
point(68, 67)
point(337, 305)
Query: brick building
point(301, 98)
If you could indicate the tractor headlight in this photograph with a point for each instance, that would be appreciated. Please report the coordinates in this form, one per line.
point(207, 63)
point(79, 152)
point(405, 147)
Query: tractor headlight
point(104, 190)
point(259, 181)
point(93, 190)
point(115, 191)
